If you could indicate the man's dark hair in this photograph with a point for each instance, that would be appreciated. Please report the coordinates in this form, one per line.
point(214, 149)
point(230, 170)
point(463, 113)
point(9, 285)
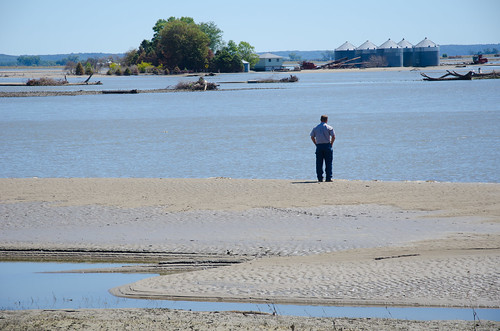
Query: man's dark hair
point(324, 118)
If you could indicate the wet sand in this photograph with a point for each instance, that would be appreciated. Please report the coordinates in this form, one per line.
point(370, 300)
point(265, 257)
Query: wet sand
point(340, 243)
point(164, 319)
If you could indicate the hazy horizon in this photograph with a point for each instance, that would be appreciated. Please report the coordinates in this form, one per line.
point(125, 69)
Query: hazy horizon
point(61, 27)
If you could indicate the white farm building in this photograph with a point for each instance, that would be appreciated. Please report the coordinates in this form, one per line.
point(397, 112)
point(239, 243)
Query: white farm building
point(269, 62)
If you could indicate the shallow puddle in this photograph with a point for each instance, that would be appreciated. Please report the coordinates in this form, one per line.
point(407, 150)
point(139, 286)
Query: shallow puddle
point(27, 285)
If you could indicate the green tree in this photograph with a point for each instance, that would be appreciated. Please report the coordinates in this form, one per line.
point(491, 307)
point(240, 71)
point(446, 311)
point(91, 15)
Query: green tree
point(247, 53)
point(160, 24)
point(145, 53)
point(147, 46)
point(229, 58)
point(79, 69)
point(28, 60)
point(232, 47)
point(188, 20)
point(131, 57)
point(214, 34)
point(182, 44)
point(226, 60)
point(178, 42)
point(88, 69)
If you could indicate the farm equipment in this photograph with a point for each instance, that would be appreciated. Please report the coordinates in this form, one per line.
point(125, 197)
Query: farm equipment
point(479, 59)
point(307, 65)
point(341, 63)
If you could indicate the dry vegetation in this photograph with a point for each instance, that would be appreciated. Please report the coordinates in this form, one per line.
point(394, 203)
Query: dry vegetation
point(199, 85)
point(45, 81)
point(291, 79)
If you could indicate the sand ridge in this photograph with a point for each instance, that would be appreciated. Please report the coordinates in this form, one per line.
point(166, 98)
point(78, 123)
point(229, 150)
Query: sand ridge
point(416, 275)
point(340, 243)
point(457, 199)
point(253, 232)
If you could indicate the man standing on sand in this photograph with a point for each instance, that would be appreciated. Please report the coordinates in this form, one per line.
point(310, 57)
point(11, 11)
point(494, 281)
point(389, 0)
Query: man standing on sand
point(323, 137)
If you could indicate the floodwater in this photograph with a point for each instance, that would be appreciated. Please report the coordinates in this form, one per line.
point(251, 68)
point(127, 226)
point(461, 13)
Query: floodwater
point(30, 285)
point(390, 125)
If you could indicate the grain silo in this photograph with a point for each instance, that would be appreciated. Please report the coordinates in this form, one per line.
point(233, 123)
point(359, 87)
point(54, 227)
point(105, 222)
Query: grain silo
point(407, 52)
point(345, 51)
point(425, 54)
point(391, 54)
point(367, 51)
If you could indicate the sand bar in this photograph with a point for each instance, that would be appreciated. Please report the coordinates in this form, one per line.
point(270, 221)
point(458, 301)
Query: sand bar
point(456, 199)
point(291, 227)
point(340, 243)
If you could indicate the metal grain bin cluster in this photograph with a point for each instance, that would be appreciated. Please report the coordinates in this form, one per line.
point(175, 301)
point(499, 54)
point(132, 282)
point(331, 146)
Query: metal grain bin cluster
point(407, 48)
point(425, 53)
point(366, 51)
point(345, 51)
point(390, 54)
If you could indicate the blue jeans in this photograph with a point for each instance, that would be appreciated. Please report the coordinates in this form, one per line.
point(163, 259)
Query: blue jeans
point(324, 153)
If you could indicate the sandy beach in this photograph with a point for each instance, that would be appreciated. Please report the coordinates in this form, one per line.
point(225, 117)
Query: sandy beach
point(341, 243)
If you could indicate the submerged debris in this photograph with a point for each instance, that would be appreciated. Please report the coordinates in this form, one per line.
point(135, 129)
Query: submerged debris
point(453, 75)
point(44, 81)
point(200, 85)
point(290, 79)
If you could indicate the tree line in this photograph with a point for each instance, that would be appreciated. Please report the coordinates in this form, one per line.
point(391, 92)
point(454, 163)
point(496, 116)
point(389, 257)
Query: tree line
point(180, 44)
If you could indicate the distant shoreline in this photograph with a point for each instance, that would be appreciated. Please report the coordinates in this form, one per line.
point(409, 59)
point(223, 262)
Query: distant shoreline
point(54, 72)
point(26, 73)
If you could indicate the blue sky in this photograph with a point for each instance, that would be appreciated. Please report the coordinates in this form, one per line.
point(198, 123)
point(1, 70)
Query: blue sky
point(67, 26)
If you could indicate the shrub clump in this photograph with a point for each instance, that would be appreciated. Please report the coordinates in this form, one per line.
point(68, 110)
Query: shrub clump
point(144, 67)
point(44, 81)
point(141, 68)
point(199, 85)
point(79, 69)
